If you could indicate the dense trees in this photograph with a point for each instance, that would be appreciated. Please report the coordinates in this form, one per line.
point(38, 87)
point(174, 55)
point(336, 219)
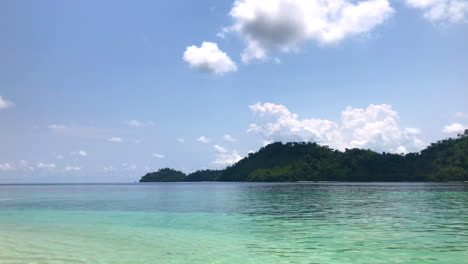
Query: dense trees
point(203, 175)
point(446, 160)
point(164, 175)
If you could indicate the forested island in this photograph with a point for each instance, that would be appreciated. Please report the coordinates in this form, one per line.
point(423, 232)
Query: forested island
point(446, 160)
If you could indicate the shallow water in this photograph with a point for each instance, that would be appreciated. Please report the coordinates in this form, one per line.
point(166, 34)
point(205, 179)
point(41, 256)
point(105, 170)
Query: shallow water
point(234, 223)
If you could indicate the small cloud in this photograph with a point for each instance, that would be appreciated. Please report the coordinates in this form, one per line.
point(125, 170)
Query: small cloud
point(225, 159)
point(6, 167)
point(24, 165)
point(229, 138)
point(55, 126)
point(454, 128)
point(109, 169)
point(4, 104)
point(219, 149)
point(208, 58)
point(158, 156)
point(413, 131)
point(203, 139)
point(277, 60)
point(115, 139)
point(136, 123)
point(72, 168)
point(442, 11)
point(49, 166)
point(82, 153)
point(181, 140)
point(59, 157)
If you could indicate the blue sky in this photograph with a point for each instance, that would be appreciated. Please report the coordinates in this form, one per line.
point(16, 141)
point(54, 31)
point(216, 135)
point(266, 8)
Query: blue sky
point(105, 91)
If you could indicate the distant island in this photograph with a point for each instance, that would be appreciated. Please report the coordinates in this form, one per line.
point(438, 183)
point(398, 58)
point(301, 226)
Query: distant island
point(446, 160)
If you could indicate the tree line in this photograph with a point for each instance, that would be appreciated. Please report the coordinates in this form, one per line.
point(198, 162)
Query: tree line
point(445, 160)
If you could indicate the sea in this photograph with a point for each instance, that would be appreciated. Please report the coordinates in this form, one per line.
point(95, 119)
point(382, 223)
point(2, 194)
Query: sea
point(238, 223)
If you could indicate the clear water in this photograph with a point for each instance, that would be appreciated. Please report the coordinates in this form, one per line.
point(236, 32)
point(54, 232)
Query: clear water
point(234, 223)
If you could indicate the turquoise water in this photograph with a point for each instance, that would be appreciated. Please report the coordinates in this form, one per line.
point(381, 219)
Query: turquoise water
point(234, 223)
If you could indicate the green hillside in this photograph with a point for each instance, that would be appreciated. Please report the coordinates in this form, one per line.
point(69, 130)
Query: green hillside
point(446, 160)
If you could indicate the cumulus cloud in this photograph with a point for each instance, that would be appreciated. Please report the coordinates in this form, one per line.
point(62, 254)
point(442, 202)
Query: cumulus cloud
point(286, 24)
point(219, 149)
point(224, 158)
point(72, 168)
point(49, 166)
point(136, 123)
point(454, 128)
point(158, 156)
point(229, 138)
point(4, 104)
point(208, 58)
point(374, 127)
point(203, 139)
point(115, 139)
point(452, 11)
point(6, 166)
point(82, 153)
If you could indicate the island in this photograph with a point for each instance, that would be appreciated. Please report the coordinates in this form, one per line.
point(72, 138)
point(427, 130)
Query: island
point(445, 160)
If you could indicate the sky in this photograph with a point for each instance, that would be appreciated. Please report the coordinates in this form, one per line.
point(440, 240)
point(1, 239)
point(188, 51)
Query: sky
point(105, 91)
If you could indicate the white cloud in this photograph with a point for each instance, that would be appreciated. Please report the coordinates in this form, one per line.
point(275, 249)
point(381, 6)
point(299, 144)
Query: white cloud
point(452, 11)
point(4, 104)
point(72, 168)
point(374, 127)
point(224, 158)
point(59, 156)
point(413, 131)
point(24, 165)
point(181, 140)
point(136, 123)
point(219, 149)
point(115, 139)
point(49, 166)
point(6, 167)
point(286, 24)
point(109, 169)
point(82, 153)
point(208, 58)
point(158, 156)
point(454, 128)
point(203, 139)
point(55, 126)
point(229, 138)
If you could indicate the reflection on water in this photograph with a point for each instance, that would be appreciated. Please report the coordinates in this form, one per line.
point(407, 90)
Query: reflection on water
point(235, 223)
